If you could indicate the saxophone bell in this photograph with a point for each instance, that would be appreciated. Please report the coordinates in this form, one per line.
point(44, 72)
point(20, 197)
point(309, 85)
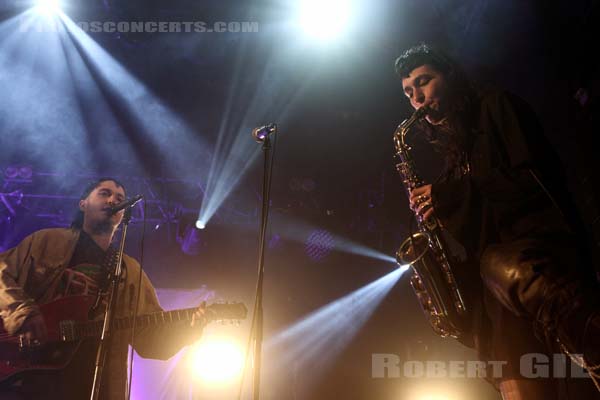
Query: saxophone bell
point(413, 249)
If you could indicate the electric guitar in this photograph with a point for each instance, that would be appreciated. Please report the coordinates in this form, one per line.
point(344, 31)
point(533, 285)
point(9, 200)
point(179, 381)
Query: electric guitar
point(67, 324)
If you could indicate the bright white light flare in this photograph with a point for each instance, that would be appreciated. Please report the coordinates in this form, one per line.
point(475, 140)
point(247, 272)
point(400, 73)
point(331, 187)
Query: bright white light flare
point(216, 360)
point(48, 7)
point(325, 19)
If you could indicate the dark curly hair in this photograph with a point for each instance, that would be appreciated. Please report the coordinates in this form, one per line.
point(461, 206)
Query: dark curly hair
point(423, 54)
point(77, 222)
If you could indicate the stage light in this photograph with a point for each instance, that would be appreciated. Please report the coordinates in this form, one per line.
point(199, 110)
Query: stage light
point(216, 360)
point(11, 172)
point(319, 244)
point(47, 7)
point(200, 224)
point(324, 19)
point(24, 172)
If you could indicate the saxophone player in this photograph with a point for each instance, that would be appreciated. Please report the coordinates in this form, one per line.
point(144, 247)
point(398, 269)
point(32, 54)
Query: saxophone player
point(503, 197)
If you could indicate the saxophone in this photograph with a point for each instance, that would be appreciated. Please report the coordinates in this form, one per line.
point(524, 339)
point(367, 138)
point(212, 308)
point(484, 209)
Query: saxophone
point(432, 281)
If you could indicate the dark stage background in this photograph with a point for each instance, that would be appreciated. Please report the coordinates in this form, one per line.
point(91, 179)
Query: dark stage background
point(158, 110)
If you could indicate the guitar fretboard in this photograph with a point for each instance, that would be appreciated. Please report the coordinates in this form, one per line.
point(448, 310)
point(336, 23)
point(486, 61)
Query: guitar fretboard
point(94, 328)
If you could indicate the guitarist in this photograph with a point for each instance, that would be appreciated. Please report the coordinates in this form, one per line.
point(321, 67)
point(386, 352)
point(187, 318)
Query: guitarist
point(59, 262)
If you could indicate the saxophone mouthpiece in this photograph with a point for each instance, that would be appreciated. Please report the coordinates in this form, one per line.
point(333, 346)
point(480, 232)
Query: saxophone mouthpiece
point(422, 112)
point(416, 116)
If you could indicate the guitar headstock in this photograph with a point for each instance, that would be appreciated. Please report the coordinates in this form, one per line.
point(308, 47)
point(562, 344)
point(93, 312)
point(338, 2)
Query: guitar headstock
point(222, 311)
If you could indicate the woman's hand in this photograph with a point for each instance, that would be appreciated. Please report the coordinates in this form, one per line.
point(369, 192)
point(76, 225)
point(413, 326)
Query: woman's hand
point(420, 201)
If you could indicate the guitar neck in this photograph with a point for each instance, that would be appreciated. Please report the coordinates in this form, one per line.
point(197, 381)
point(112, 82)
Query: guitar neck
point(161, 318)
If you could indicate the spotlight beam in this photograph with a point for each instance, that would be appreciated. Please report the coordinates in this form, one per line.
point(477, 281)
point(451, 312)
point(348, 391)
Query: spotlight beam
point(138, 112)
point(319, 337)
point(298, 231)
point(235, 150)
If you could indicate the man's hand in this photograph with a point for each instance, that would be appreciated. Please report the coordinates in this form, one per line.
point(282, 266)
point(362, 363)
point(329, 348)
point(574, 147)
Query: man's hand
point(420, 201)
point(199, 317)
point(34, 331)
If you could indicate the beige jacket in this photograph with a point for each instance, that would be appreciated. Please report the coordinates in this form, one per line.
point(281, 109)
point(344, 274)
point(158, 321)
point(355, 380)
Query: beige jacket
point(29, 274)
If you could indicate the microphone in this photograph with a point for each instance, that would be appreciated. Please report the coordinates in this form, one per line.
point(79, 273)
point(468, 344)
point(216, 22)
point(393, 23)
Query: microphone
point(262, 132)
point(126, 204)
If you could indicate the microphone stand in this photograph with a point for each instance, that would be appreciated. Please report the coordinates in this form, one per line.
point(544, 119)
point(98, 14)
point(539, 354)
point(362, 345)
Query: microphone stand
point(113, 295)
point(258, 304)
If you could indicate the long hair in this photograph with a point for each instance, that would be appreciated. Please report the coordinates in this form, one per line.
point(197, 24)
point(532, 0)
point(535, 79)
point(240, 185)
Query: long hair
point(448, 139)
point(77, 222)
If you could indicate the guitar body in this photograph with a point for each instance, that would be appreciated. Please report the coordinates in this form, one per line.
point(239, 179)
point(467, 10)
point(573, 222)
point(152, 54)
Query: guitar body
point(55, 354)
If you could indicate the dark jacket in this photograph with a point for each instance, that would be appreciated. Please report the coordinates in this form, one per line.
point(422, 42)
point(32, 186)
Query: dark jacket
point(514, 188)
